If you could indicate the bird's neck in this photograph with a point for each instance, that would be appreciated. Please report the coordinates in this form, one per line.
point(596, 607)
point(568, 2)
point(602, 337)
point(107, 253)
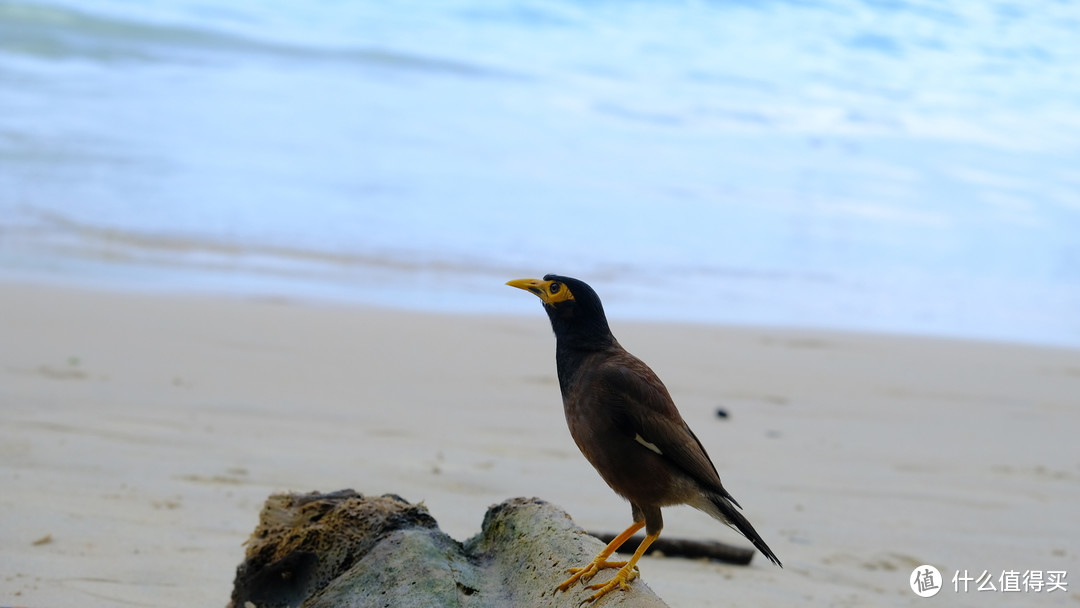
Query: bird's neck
point(570, 357)
point(579, 335)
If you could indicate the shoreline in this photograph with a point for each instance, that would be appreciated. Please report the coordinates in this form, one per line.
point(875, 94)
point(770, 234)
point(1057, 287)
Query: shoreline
point(142, 433)
point(998, 309)
point(272, 291)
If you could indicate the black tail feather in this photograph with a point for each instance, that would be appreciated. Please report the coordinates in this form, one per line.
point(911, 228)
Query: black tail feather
point(729, 515)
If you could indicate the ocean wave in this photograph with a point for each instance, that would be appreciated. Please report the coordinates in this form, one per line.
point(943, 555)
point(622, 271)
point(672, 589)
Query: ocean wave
point(60, 33)
point(54, 32)
point(49, 232)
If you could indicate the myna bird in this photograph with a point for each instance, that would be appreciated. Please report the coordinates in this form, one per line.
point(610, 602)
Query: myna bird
point(626, 424)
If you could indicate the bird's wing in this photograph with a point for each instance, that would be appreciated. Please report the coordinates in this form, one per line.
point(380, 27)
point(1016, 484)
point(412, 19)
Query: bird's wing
point(644, 410)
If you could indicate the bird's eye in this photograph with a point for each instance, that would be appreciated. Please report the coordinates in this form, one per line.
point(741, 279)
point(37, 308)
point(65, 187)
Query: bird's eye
point(555, 287)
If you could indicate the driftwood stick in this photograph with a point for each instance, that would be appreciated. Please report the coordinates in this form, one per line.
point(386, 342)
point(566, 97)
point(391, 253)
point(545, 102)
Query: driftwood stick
point(684, 547)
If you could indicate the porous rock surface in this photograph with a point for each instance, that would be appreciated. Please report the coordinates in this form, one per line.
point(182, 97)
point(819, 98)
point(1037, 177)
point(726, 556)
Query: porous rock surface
point(343, 550)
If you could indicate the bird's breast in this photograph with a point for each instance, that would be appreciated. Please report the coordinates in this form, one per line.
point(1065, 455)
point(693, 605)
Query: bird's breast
point(632, 466)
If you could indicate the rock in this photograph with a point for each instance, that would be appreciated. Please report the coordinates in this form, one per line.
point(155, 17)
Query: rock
point(347, 550)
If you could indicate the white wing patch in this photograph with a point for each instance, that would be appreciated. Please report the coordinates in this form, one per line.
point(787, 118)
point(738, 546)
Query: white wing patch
point(652, 446)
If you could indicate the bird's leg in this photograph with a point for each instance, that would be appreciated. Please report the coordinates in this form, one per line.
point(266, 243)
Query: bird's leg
point(600, 561)
point(625, 574)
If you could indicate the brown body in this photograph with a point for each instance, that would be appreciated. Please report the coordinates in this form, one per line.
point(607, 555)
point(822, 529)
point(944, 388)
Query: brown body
point(616, 409)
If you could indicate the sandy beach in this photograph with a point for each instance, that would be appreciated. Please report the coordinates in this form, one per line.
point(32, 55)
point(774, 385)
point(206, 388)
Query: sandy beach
point(140, 434)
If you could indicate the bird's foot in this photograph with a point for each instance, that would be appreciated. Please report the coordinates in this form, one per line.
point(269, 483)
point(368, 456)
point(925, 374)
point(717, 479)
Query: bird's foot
point(621, 580)
point(588, 572)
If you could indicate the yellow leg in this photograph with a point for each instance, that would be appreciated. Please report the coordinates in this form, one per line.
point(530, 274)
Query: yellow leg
point(600, 561)
point(625, 574)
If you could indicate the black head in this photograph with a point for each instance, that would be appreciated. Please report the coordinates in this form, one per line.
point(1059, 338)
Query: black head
point(577, 316)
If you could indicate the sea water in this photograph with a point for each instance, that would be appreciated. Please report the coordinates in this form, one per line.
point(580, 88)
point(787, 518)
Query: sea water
point(885, 165)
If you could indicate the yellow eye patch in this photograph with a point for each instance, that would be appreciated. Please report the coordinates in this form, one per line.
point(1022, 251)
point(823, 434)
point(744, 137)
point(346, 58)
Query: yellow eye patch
point(557, 292)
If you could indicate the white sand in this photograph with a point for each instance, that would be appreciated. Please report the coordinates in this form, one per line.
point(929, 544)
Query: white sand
point(141, 433)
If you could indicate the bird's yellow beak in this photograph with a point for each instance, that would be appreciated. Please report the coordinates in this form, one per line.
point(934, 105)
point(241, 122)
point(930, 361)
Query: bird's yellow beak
point(551, 292)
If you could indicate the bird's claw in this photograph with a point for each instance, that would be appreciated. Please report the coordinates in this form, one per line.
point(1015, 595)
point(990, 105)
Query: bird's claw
point(588, 572)
point(621, 580)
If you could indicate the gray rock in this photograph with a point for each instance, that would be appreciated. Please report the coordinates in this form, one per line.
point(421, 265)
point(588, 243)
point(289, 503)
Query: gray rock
point(343, 550)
